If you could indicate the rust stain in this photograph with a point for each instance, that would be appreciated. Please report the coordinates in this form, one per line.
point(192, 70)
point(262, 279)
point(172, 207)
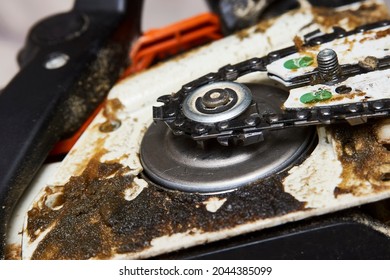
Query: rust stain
point(298, 42)
point(345, 96)
point(336, 98)
point(301, 48)
point(339, 191)
point(363, 158)
point(349, 42)
point(242, 34)
point(263, 26)
point(111, 108)
point(96, 221)
point(13, 252)
point(306, 50)
point(378, 35)
point(98, 150)
point(382, 33)
point(366, 13)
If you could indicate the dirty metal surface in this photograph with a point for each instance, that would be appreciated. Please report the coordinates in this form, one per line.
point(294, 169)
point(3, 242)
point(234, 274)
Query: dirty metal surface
point(96, 219)
point(364, 159)
point(98, 205)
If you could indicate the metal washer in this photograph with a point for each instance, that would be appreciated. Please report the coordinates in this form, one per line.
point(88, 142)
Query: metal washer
point(179, 163)
point(244, 99)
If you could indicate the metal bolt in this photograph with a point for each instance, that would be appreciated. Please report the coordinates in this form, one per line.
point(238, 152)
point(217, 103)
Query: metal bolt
point(171, 112)
point(302, 114)
point(178, 132)
point(215, 98)
point(200, 128)
point(353, 108)
point(179, 122)
point(328, 65)
point(56, 60)
point(273, 118)
point(223, 125)
point(325, 112)
point(187, 88)
point(274, 55)
point(378, 105)
point(229, 68)
point(210, 76)
point(250, 121)
point(231, 73)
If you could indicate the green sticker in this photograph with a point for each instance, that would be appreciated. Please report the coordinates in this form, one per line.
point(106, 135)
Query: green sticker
point(308, 98)
point(318, 96)
point(298, 62)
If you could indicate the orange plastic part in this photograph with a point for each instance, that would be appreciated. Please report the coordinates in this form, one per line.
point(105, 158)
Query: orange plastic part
point(155, 45)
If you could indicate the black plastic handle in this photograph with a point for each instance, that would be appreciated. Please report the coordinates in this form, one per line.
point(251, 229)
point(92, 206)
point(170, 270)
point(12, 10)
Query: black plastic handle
point(69, 63)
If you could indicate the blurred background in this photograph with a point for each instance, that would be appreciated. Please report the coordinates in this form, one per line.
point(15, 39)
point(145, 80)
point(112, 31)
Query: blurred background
point(17, 16)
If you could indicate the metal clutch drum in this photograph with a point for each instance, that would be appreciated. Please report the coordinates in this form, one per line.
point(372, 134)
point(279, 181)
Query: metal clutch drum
point(179, 162)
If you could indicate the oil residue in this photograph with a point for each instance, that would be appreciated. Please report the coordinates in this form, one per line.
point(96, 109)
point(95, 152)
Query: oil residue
point(96, 221)
point(13, 252)
point(344, 96)
point(363, 158)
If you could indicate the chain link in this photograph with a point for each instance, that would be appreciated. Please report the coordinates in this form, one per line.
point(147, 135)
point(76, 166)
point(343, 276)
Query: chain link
point(248, 128)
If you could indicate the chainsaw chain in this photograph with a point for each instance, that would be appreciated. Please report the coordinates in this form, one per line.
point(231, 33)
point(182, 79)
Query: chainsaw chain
point(249, 127)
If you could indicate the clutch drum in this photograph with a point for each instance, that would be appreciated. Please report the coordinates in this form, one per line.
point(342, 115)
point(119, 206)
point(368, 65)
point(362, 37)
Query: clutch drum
point(180, 163)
